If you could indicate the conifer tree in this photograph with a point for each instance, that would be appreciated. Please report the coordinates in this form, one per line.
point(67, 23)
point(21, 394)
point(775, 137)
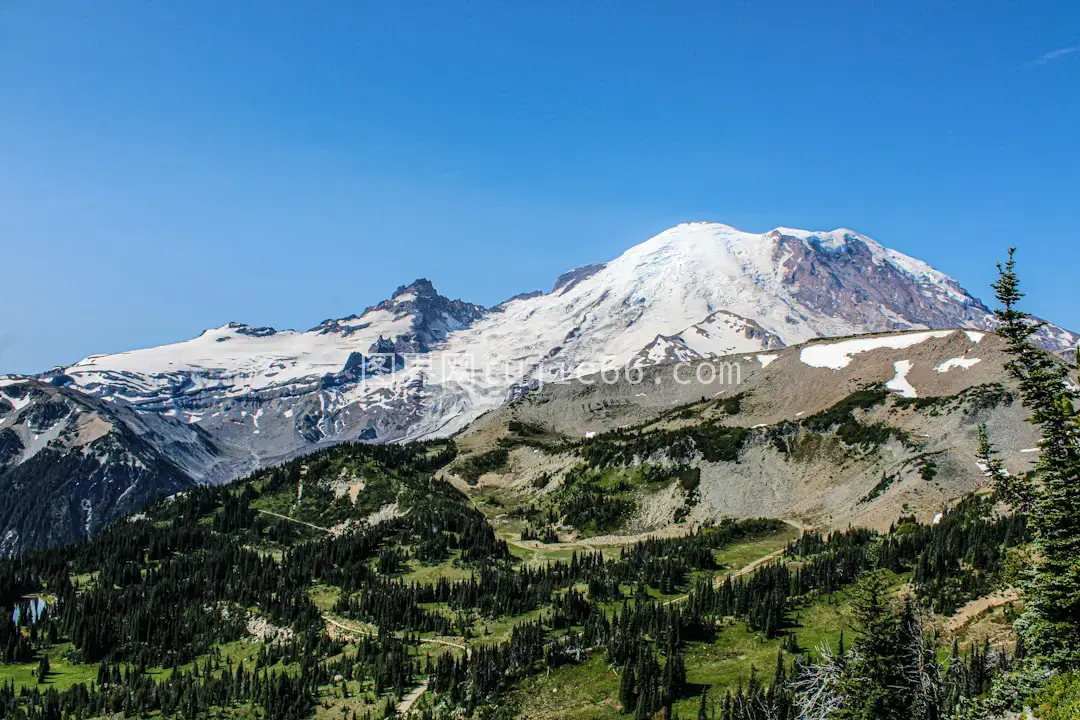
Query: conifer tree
point(1052, 619)
point(1015, 490)
point(626, 689)
point(43, 669)
point(873, 675)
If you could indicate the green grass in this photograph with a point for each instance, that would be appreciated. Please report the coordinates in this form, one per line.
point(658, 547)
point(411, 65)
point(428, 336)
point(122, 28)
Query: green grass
point(563, 552)
point(324, 596)
point(737, 556)
point(62, 674)
point(589, 691)
point(498, 630)
point(430, 574)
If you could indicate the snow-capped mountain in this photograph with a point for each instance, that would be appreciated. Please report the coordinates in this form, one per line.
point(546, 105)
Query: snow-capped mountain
point(420, 364)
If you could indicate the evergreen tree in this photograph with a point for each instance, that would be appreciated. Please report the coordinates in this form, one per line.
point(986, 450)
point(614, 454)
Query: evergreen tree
point(872, 678)
point(1052, 619)
point(626, 689)
point(43, 669)
point(1015, 490)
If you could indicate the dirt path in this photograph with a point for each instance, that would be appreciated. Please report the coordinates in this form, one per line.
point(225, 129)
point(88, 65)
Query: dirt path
point(599, 541)
point(720, 579)
point(373, 633)
point(345, 628)
point(409, 700)
point(754, 565)
point(594, 544)
point(406, 703)
point(978, 606)
point(298, 522)
point(446, 643)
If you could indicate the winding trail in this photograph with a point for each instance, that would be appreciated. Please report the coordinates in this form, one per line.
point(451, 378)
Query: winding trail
point(298, 522)
point(345, 628)
point(374, 633)
point(409, 700)
point(978, 606)
point(406, 703)
point(720, 579)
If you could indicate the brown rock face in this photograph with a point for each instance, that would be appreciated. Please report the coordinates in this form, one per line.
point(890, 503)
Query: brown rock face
point(847, 282)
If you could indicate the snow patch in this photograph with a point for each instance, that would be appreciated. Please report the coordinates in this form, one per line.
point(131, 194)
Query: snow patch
point(766, 360)
point(839, 354)
point(900, 383)
point(974, 335)
point(17, 403)
point(957, 362)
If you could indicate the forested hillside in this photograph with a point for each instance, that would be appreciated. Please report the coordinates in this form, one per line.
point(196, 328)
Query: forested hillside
point(285, 596)
point(370, 581)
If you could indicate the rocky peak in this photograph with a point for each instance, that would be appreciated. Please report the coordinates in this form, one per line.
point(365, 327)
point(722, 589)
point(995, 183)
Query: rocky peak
point(842, 274)
point(245, 329)
point(421, 287)
point(434, 316)
point(569, 279)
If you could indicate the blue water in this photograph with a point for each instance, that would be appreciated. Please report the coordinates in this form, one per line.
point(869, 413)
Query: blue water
point(36, 606)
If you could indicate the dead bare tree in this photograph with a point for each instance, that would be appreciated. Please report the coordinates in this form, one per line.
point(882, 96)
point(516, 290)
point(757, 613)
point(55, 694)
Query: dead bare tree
point(817, 687)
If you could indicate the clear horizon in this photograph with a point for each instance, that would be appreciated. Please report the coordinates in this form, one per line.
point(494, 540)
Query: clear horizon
point(172, 168)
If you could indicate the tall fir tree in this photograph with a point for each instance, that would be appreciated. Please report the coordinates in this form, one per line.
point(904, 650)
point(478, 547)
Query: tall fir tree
point(1052, 619)
point(627, 696)
point(873, 680)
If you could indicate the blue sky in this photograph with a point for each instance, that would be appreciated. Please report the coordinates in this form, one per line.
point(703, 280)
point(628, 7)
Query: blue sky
point(166, 167)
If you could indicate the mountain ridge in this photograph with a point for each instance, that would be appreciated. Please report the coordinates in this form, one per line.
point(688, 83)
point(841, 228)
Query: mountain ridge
point(420, 365)
point(660, 300)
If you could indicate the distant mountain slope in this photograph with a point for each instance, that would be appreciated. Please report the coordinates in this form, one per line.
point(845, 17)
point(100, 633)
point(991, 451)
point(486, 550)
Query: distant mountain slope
point(698, 289)
point(69, 464)
point(420, 365)
point(832, 432)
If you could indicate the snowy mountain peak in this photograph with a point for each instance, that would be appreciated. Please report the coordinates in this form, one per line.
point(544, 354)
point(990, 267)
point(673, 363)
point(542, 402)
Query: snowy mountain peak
point(419, 290)
point(693, 291)
point(420, 296)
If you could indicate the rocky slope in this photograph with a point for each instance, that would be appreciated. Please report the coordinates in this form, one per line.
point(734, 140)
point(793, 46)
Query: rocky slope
point(71, 464)
point(828, 433)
